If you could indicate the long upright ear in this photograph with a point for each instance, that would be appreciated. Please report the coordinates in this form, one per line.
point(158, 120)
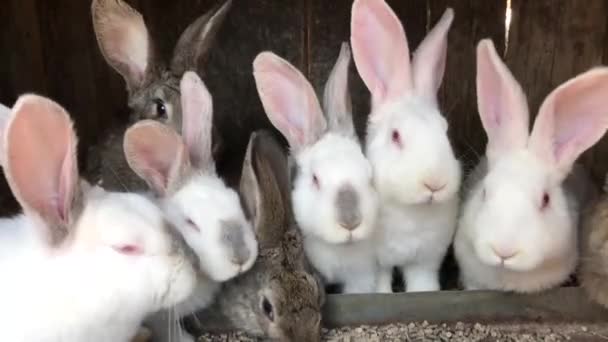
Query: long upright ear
point(336, 97)
point(41, 166)
point(157, 154)
point(501, 102)
point(197, 121)
point(429, 59)
point(572, 119)
point(5, 114)
point(265, 188)
point(123, 40)
point(192, 48)
point(289, 100)
point(380, 50)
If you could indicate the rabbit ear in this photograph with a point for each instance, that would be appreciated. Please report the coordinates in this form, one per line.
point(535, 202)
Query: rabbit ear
point(123, 39)
point(336, 97)
point(157, 154)
point(289, 100)
point(265, 188)
point(380, 50)
point(41, 166)
point(192, 48)
point(501, 102)
point(429, 59)
point(572, 119)
point(197, 121)
point(5, 114)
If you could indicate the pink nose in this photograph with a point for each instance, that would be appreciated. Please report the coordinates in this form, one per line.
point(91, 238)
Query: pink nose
point(434, 187)
point(503, 252)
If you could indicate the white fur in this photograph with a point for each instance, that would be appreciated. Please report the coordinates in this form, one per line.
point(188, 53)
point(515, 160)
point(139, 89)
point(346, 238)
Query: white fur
point(338, 254)
point(508, 218)
point(207, 201)
point(412, 218)
point(86, 291)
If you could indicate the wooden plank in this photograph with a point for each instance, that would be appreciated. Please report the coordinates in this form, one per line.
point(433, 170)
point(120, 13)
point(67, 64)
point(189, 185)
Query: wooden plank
point(473, 21)
point(551, 42)
point(562, 305)
point(329, 26)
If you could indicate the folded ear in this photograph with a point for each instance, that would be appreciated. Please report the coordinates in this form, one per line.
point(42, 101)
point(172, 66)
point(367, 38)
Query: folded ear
point(41, 166)
point(265, 188)
point(197, 121)
point(571, 120)
point(157, 154)
point(5, 114)
point(501, 103)
point(123, 39)
point(429, 59)
point(336, 97)
point(289, 100)
point(192, 48)
point(380, 50)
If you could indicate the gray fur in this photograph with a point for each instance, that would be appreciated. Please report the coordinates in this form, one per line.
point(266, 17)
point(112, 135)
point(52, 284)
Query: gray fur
point(347, 205)
point(232, 238)
point(106, 162)
point(281, 272)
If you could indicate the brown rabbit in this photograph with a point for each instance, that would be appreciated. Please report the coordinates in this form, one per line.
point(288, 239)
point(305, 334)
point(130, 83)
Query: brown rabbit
point(152, 84)
point(280, 298)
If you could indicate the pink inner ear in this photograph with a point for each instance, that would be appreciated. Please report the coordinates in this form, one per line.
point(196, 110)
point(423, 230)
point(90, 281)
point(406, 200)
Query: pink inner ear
point(156, 153)
point(288, 99)
point(380, 49)
point(572, 118)
point(502, 105)
point(41, 158)
point(197, 121)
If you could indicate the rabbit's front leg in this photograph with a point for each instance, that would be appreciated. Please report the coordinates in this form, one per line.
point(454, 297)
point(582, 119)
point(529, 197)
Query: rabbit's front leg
point(421, 277)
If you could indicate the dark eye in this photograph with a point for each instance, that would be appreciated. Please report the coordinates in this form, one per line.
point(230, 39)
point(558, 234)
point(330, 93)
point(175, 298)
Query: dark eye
point(161, 109)
point(315, 180)
point(267, 308)
point(546, 201)
point(192, 225)
point(396, 138)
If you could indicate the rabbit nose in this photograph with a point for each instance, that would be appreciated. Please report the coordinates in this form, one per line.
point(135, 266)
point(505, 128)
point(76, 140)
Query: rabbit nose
point(233, 239)
point(434, 186)
point(504, 253)
point(347, 206)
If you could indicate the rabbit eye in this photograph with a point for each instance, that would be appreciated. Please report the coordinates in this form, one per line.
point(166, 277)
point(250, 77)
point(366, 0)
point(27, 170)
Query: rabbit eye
point(192, 225)
point(315, 181)
point(128, 249)
point(161, 109)
point(268, 309)
point(546, 201)
point(396, 138)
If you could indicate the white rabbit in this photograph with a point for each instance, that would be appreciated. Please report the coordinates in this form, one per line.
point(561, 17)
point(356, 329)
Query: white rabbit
point(518, 230)
point(181, 171)
point(334, 202)
point(84, 264)
point(415, 172)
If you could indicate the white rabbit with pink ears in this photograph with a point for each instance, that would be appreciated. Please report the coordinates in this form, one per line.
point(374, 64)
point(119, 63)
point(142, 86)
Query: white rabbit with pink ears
point(518, 229)
point(415, 171)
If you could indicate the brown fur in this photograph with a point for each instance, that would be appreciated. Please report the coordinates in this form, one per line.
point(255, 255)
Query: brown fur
point(593, 272)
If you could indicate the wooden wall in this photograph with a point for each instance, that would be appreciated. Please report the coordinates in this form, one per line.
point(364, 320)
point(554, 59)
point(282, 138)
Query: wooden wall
point(48, 47)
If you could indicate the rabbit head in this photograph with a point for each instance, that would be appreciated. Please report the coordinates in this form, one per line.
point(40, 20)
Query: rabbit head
point(279, 298)
point(519, 214)
point(333, 197)
point(181, 170)
point(70, 217)
point(153, 84)
point(407, 142)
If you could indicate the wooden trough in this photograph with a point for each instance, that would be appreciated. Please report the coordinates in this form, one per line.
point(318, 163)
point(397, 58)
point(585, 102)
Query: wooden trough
point(49, 47)
point(562, 305)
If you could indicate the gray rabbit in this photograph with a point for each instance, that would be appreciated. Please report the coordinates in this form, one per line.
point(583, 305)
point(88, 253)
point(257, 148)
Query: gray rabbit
point(280, 298)
point(152, 84)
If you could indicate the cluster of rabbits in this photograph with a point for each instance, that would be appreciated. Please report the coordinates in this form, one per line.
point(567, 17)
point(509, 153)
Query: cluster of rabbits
point(97, 264)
